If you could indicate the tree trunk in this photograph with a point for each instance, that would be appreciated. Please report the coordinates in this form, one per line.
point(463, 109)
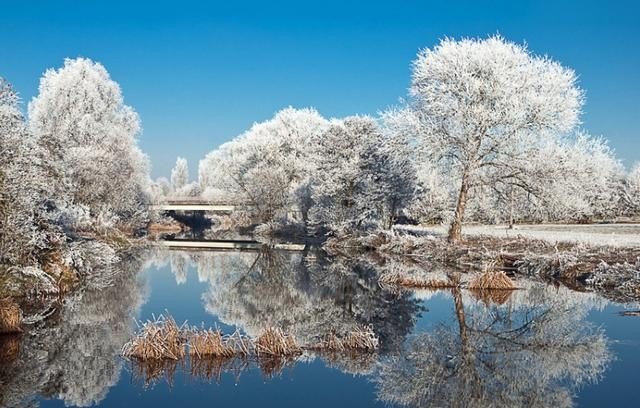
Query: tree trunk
point(455, 231)
point(511, 208)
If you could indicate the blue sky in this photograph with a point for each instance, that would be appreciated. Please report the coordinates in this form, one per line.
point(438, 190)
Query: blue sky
point(199, 73)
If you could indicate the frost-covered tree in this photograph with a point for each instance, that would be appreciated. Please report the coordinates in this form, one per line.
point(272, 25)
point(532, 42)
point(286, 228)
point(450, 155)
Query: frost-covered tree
point(631, 191)
point(179, 267)
point(90, 137)
point(179, 175)
point(486, 104)
point(587, 180)
point(431, 180)
point(23, 187)
point(264, 167)
point(361, 178)
point(159, 190)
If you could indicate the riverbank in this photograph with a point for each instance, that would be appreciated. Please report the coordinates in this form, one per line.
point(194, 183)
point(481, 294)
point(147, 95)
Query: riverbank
point(612, 271)
point(87, 261)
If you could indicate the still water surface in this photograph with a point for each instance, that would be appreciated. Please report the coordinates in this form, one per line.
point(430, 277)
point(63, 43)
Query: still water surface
point(539, 346)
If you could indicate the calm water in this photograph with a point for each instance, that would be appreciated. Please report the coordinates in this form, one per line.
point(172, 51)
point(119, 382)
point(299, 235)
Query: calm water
point(538, 346)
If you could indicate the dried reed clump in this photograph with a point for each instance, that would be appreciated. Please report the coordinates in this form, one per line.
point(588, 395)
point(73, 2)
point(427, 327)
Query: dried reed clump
point(331, 342)
point(412, 281)
point(360, 339)
point(212, 343)
point(491, 280)
point(275, 342)
point(10, 317)
point(9, 348)
point(159, 339)
point(207, 343)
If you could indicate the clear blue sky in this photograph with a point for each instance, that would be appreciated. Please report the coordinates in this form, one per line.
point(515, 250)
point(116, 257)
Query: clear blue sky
point(200, 74)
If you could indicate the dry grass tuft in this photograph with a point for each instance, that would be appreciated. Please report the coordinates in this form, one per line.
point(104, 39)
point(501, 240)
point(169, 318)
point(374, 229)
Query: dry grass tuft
point(491, 280)
point(360, 339)
point(209, 343)
point(10, 317)
point(212, 343)
point(330, 343)
point(9, 348)
point(363, 339)
point(159, 339)
point(413, 281)
point(275, 342)
point(160, 345)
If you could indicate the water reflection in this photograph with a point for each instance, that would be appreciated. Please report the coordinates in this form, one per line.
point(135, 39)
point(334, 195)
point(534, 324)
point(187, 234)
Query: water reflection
point(73, 354)
point(534, 350)
point(532, 347)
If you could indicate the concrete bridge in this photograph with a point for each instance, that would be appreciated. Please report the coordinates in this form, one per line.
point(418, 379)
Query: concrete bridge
point(196, 204)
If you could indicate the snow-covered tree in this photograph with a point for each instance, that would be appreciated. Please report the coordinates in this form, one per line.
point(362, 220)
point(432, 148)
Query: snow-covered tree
point(486, 104)
point(91, 141)
point(159, 190)
point(23, 186)
point(587, 182)
point(362, 178)
point(265, 166)
point(431, 182)
point(631, 191)
point(179, 175)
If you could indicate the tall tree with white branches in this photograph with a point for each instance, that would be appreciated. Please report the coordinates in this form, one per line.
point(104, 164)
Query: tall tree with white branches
point(179, 174)
point(80, 119)
point(485, 103)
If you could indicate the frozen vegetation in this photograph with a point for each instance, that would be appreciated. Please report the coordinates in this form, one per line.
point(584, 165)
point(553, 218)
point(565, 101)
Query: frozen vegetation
point(73, 182)
point(488, 134)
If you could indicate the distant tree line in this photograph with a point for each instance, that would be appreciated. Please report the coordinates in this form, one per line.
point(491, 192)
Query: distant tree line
point(487, 134)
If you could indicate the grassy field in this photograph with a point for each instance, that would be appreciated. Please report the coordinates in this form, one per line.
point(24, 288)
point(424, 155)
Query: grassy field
point(617, 235)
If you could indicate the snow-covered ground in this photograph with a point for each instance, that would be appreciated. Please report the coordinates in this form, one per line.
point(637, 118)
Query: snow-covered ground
point(621, 235)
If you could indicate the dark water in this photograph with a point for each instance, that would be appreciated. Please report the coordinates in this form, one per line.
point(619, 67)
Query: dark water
point(539, 346)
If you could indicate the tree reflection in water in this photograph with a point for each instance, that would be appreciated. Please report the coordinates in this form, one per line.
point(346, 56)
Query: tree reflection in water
point(74, 354)
point(531, 348)
point(533, 351)
point(307, 297)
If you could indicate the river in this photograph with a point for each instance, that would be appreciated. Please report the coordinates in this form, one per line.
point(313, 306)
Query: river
point(541, 345)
